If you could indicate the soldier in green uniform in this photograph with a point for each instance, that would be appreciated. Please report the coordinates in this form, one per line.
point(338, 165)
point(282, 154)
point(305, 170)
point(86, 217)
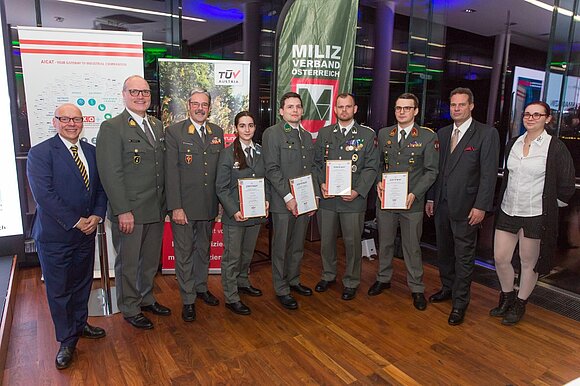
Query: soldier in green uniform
point(130, 150)
point(405, 147)
point(345, 140)
point(193, 149)
point(288, 153)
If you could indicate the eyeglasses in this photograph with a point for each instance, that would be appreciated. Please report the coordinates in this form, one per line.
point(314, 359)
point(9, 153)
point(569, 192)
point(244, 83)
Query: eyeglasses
point(68, 119)
point(196, 105)
point(404, 108)
point(534, 116)
point(134, 92)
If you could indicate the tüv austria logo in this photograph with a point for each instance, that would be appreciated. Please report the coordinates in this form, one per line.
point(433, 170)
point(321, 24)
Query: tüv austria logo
point(228, 74)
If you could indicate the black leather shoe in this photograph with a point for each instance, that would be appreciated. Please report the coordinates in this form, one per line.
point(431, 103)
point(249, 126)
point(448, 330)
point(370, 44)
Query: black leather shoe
point(441, 296)
point(93, 332)
point(64, 357)
point(157, 309)
point(419, 301)
point(140, 321)
point(208, 298)
point(348, 293)
point(188, 312)
point(252, 291)
point(239, 308)
point(378, 287)
point(288, 302)
point(456, 316)
point(301, 290)
point(323, 285)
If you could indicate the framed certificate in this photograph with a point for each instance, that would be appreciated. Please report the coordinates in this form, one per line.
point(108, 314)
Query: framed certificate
point(395, 190)
point(303, 192)
point(252, 197)
point(338, 177)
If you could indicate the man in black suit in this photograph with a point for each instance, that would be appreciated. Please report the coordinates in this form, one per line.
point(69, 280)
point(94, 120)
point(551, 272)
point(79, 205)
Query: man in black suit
point(70, 203)
point(463, 192)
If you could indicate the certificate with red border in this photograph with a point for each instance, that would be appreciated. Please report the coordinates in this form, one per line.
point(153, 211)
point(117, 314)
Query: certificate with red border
point(395, 190)
point(303, 191)
point(252, 194)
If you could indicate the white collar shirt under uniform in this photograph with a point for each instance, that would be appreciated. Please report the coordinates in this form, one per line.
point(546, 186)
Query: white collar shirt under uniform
point(348, 127)
point(527, 176)
point(141, 122)
point(407, 131)
point(82, 157)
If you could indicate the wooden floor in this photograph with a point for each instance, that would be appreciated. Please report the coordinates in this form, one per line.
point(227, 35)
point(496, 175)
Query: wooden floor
point(381, 340)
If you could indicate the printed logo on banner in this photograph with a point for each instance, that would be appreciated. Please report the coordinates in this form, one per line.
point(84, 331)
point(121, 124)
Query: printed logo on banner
point(318, 98)
point(229, 74)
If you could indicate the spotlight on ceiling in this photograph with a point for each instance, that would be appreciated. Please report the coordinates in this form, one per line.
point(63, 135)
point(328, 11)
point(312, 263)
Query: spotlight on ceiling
point(469, 10)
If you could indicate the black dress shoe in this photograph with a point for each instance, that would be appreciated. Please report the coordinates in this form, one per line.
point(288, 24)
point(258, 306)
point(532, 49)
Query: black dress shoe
point(441, 296)
point(93, 332)
point(323, 285)
point(378, 287)
point(140, 321)
point(252, 291)
point(456, 316)
point(288, 302)
point(64, 357)
point(208, 298)
point(419, 301)
point(239, 308)
point(301, 290)
point(157, 309)
point(348, 293)
point(188, 312)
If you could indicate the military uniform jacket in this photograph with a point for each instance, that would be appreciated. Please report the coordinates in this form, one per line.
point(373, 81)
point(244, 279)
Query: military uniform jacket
point(419, 156)
point(226, 183)
point(359, 147)
point(191, 167)
point(131, 169)
point(286, 155)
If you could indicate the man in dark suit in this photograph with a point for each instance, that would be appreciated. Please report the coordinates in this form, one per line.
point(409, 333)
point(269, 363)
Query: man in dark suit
point(193, 150)
point(345, 140)
point(130, 152)
point(70, 202)
point(405, 147)
point(463, 192)
point(288, 153)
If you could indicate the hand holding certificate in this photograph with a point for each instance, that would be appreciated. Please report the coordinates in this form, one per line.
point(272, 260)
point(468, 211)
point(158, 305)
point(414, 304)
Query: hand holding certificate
point(303, 192)
point(338, 177)
point(395, 190)
point(252, 197)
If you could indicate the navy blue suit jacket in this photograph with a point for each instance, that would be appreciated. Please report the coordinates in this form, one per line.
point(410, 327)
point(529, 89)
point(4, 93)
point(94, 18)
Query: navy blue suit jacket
point(60, 193)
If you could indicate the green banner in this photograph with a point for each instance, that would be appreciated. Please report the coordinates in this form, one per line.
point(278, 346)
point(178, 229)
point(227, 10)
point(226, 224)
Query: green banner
point(316, 56)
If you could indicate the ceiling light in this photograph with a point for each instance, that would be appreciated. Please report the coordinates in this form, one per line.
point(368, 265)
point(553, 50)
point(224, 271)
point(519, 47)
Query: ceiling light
point(129, 9)
point(469, 10)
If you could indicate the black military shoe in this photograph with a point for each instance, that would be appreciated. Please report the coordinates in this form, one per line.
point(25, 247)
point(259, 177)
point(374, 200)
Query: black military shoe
point(157, 309)
point(301, 290)
point(288, 302)
point(378, 287)
point(64, 357)
point(239, 308)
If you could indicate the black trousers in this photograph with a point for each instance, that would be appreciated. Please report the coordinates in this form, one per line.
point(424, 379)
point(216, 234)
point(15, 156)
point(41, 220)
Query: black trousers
point(456, 242)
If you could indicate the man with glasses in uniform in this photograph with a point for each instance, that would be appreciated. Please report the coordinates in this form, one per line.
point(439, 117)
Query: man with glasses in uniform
point(130, 152)
point(193, 148)
point(405, 147)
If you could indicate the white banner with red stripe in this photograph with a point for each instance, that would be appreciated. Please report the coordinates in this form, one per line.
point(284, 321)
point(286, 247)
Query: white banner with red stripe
point(83, 67)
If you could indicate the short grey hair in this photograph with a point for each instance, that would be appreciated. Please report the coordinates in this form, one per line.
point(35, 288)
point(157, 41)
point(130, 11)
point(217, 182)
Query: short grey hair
point(200, 90)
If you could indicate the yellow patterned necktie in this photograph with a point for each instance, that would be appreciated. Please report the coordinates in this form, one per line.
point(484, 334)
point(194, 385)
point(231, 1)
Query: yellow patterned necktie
point(80, 165)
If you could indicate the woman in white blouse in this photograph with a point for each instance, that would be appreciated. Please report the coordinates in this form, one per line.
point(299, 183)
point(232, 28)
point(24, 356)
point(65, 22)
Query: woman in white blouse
point(539, 176)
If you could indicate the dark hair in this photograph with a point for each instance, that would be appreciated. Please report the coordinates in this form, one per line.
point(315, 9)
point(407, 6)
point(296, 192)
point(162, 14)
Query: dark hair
point(239, 155)
point(463, 90)
point(546, 107)
point(289, 95)
point(346, 95)
point(408, 95)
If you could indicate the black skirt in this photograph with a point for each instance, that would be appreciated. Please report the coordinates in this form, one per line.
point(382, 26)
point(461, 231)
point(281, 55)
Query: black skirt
point(532, 226)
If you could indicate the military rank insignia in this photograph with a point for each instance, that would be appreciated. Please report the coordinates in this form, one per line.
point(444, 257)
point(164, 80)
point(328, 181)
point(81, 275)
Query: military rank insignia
point(188, 159)
point(191, 129)
point(209, 130)
point(132, 122)
point(414, 132)
point(287, 128)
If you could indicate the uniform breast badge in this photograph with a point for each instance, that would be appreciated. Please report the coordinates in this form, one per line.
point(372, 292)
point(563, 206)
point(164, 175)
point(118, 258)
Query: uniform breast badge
point(136, 156)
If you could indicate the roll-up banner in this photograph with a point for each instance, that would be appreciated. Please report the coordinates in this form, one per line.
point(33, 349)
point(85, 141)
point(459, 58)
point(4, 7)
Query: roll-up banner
point(315, 56)
point(228, 83)
point(84, 67)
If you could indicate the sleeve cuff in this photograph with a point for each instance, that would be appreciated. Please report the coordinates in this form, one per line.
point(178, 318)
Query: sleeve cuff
point(288, 197)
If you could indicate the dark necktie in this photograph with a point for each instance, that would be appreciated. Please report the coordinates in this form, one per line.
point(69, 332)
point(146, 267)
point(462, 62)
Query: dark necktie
point(402, 138)
point(202, 133)
point(148, 132)
point(249, 156)
point(80, 165)
point(343, 131)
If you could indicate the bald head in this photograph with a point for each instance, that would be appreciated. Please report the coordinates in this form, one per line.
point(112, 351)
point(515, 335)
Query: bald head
point(64, 122)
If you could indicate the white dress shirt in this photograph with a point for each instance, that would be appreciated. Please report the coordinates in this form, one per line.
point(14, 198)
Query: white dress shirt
point(82, 157)
point(527, 175)
point(407, 131)
point(141, 121)
point(462, 128)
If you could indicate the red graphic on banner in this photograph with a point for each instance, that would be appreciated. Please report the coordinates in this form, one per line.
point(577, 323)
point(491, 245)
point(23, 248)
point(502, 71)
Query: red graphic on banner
point(322, 94)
